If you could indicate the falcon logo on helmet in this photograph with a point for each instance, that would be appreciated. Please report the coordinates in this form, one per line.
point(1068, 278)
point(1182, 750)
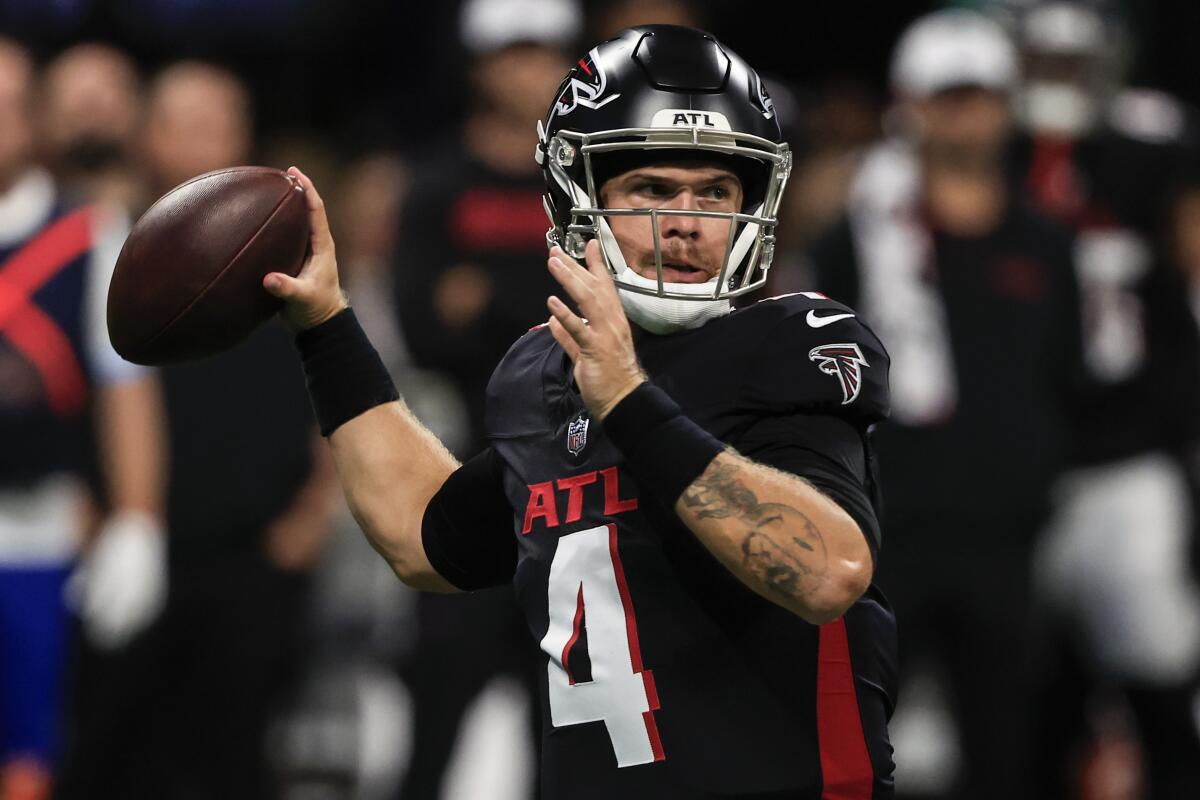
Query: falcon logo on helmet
point(585, 86)
point(844, 362)
point(764, 99)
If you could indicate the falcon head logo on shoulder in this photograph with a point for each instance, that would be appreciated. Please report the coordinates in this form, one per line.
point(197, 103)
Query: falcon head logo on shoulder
point(844, 362)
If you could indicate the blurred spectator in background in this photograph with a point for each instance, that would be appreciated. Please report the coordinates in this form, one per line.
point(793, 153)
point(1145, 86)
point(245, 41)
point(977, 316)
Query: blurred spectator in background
point(1184, 236)
point(469, 287)
point(1103, 159)
point(608, 17)
point(372, 192)
point(57, 366)
point(973, 294)
point(250, 502)
point(198, 118)
point(829, 131)
point(471, 281)
point(90, 111)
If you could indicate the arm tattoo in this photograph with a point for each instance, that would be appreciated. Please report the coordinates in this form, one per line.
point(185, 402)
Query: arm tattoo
point(780, 546)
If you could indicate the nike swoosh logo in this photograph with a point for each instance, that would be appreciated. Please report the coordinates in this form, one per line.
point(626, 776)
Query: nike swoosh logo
point(820, 322)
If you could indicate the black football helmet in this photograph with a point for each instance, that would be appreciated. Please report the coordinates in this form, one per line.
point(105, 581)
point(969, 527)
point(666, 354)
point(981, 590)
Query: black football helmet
point(655, 93)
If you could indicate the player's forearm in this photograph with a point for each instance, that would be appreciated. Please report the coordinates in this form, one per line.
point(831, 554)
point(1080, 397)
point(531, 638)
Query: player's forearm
point(132, 438)
point(779, 535)
point(390, 466)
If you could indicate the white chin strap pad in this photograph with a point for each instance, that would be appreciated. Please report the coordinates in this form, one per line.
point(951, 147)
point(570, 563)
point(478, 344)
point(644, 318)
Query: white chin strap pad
point(659, 314)
point(668, 314)
point(745, 241)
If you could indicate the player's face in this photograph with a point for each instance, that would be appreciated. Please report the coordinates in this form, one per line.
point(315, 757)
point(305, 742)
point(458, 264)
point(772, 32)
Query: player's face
point(964, 121)
point(693, 248)
point(197, 122)
point(518, 82)
point(91, 97)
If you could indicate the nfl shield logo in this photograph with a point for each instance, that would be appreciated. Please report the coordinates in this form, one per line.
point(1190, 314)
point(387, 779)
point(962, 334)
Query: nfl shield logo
point(577, 433)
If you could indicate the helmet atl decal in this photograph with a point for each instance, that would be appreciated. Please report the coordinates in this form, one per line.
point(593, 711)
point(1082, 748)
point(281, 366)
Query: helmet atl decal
point(844, 362)
point(585, 87)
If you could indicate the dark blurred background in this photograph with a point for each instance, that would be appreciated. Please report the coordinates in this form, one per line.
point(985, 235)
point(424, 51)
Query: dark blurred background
point(273, 654)
point(359, 71)
point(373, 70)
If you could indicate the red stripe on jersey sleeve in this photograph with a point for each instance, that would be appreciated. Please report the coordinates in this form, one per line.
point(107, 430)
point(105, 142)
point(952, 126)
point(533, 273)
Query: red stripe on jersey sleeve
point(845, 763)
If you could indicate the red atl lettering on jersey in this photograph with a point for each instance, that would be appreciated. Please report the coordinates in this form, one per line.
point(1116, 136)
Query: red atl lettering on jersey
point(613, 504)
point(543, 498)
point(574, 486)
point(541, 506)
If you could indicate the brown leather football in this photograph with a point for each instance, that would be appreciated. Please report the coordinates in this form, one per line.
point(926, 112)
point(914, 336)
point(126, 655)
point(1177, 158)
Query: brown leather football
point(188, 282)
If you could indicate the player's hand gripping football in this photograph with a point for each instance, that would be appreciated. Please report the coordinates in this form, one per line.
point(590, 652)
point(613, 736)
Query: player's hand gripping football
point(600, 343)
point(314, 295)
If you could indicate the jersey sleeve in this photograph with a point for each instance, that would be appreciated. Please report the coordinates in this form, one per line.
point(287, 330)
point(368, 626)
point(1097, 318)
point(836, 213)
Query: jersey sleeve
point(467, 529)
point(820, 358)
point(828, 452)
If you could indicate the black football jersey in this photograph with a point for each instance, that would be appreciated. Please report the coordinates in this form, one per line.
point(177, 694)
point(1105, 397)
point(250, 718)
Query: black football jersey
point(666, 676)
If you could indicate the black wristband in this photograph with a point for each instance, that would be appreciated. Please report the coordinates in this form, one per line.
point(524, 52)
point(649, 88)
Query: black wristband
point(345, 375)
point(665, 450)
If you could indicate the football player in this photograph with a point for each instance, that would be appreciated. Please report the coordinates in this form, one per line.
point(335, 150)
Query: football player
point(1105, 159)
point(57, 367)
point(706, 613)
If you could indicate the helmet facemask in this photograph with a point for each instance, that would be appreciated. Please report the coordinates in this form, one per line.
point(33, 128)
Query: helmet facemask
point(571, 159)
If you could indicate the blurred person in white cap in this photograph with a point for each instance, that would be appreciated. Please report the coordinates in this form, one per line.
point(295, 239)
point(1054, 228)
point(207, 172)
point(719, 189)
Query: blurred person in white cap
point(1072, 57)
point(70, 409)
point(952, 74)
point(973, 294)
point(472, 238)
point(1103, 159)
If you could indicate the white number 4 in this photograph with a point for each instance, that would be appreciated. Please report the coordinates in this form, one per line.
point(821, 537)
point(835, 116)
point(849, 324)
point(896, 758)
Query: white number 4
point(586, 574)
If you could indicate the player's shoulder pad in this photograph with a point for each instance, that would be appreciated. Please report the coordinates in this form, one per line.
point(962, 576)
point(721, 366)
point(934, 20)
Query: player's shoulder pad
point(515, 393)
point(816, 355)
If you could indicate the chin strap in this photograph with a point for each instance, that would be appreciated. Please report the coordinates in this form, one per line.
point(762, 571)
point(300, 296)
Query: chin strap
point(612, 251)
point(668, 314)
point(744, 242)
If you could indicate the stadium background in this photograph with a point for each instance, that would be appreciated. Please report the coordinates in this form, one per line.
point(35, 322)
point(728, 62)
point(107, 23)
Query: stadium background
point(340, 83)
point(334, 66)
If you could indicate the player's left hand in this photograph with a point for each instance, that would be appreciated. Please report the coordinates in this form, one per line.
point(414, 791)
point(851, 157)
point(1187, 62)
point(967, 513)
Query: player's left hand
point(600, 343)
